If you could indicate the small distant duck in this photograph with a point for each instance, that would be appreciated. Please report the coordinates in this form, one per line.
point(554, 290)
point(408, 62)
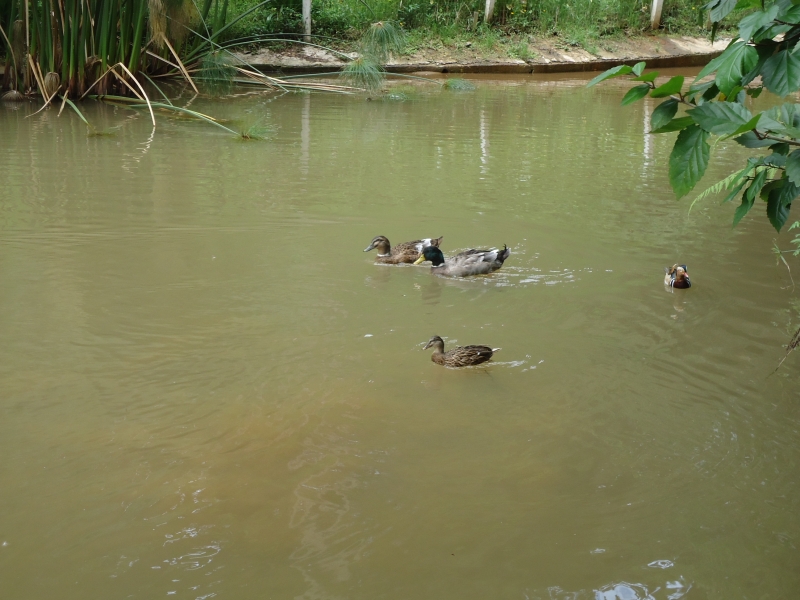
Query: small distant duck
point(461, 356)
point(407, 252)
point(677, 276)
point(464, 264)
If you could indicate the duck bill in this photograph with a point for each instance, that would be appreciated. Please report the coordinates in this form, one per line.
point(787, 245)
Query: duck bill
point(428, 345)
point(370, 247)
point(421, 259)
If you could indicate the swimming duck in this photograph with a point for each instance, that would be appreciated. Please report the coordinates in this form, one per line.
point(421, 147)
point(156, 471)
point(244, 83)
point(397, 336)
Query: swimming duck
point(460, 356)
point(407, 252)
point(464, 264)
point(677, 276)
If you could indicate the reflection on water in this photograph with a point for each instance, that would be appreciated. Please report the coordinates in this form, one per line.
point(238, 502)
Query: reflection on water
point(208, 390)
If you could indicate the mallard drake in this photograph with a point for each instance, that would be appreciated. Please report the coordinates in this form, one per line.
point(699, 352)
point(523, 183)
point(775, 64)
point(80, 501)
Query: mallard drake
point(460, 356)
point(677, 276)
point(407, 252)
point(464, 264)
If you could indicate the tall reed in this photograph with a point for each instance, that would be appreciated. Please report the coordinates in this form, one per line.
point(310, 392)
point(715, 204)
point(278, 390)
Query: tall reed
point(70, 46)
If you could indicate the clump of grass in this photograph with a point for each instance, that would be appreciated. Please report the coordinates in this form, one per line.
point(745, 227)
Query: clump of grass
point(364, 72)
point(216, 70)
point(258, 131)
point(457, 84)
point(520, 50)
point(383, 38)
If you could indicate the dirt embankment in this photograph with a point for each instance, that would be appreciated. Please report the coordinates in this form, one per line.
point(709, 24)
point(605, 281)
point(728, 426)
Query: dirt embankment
point(543, 55)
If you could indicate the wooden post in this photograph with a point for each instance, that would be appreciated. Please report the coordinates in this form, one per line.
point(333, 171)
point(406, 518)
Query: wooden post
point(307, 20)
point(489, 13)
point(655, 13)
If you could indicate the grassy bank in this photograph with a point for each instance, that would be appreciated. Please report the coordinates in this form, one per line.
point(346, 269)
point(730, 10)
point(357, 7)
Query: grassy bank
point(580, 22)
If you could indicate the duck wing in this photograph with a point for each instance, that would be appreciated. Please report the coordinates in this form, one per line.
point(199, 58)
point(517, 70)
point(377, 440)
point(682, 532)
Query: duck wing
point(413, 248)
point(465, 356)
point(475, 262)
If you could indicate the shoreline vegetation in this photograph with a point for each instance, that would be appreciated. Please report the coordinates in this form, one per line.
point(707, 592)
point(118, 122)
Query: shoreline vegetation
point(122, 51)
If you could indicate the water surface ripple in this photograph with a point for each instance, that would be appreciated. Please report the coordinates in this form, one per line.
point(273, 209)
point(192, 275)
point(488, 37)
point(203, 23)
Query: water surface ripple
point(209, 391)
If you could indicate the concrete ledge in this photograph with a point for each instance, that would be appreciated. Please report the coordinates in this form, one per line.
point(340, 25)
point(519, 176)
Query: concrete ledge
point(547, 57)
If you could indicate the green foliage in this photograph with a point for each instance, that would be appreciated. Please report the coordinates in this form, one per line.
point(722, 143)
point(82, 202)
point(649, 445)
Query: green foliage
point(457, 84)
point(663, 114)
point(382, 39)
point(689, 159)
point(765, 55)
point(364, 72)
point(578, 22)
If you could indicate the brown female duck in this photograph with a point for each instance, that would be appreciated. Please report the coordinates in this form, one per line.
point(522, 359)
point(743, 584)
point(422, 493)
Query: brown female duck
point(460, 356)
point(407, 252)
point(677, 276)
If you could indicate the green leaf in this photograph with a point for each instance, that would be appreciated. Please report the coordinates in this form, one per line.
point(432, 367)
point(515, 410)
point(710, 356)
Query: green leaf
point(756, 20)
point(638, 68)
point(711, 92)
point(688, 160)
point(612, 72)
point(675, 125)
point(780, 148)
point(764, 51)
point(714, 64)
point(750, 140)
point(777, 211)
point(735, 192)
point(720, 9)
point(767, 189)
point(721, 118)
point(781, 73)
point(741, 59)
point(743, 209)
point(793, 167)
point(663, 114)
point(635, 93)
point(792, 15)
point(755, 187)
point(776, 159)
point(646, 77)
point(749, 126)
point(755, 92)
point(673, 86)
point(699, 88)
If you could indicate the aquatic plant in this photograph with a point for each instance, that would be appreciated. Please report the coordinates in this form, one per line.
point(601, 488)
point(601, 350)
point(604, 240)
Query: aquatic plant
point(364, 72)
point(458, 84)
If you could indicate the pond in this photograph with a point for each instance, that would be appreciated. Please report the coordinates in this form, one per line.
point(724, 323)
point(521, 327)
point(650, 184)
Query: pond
point(209, 391)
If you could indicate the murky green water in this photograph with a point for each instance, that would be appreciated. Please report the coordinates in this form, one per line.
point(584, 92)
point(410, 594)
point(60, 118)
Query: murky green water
point(209, 391)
